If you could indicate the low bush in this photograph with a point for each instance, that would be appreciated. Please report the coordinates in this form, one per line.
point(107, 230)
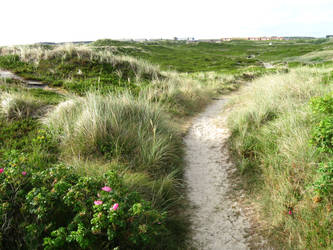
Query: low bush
point(49, 205)
point(323, 131)
point(57, 209)
point(324, 183)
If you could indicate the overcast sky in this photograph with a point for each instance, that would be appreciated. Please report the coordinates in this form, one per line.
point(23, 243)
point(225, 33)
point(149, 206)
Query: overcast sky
point(30, 21)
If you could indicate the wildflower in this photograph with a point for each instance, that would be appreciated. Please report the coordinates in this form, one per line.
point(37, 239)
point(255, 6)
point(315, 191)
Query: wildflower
point(24, 173)
point(1, 170)
point(106, 189)
point(290, 212)
point(115, 206)
point(98, 202)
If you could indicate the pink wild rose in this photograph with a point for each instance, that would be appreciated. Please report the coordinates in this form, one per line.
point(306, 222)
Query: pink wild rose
point(115, 206)
point(1, 170)
point(289, 212)
point(24, 173)
point(98, 202)
point(106, 189)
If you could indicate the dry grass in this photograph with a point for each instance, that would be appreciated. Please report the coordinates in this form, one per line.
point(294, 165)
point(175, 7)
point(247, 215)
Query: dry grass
point(19, 106)
point(271, 128)
point(118, 127)
point(36, 54)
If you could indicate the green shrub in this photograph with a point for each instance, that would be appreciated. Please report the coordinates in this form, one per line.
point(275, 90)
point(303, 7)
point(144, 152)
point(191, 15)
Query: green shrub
point(57, 209)
point(323, 105)
point(324, 184)
point(322, 134)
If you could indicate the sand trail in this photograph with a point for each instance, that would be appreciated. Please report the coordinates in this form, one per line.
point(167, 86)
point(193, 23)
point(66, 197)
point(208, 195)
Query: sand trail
point(217, 222)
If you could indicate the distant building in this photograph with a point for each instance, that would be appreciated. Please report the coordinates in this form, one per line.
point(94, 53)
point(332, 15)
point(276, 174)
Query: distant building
point(276, 38)
point(264, 38)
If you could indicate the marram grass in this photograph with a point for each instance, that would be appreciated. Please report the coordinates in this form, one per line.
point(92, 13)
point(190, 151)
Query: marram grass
point(271, 126)
point(14, 105)
point(116, 126)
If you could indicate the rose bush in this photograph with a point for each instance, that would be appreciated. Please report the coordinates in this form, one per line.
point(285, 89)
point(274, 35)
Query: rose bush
point(56, 209)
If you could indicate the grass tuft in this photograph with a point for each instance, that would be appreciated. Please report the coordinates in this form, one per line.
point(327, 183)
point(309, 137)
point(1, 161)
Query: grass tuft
point(116, 126)
point(19, 106)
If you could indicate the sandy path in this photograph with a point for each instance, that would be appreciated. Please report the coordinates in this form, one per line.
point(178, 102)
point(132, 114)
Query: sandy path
point(28, 83)
point(7, 74)
point(217, 221)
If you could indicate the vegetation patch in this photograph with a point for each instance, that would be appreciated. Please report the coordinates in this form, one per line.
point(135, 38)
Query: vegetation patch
point(99, 163)
point(78, 69)
point(49, 204)
point(323, 131)
point(272, 125)
point(18, 105)
point(226, 57)
point(119, 127)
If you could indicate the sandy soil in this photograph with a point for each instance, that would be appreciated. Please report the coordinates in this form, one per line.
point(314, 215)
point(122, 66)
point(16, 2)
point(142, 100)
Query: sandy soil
point(217, 220)
point(28, 83)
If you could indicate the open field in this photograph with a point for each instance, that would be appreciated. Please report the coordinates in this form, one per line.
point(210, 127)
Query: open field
point(221, 57)
point(108, 134)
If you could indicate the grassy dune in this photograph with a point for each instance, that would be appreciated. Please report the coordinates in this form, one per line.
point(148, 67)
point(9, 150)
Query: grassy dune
point(272, 125)
point(227, 57)
point(81, 69)
point(116, 124)
point(78, 69)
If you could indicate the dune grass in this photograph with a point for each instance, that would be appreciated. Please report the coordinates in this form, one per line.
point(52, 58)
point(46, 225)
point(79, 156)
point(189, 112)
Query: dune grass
point(119, 127)
point(78, 68)
point(271, 125)
point(19, 105)
point(131, 135)
point(122, 114)
point(119, 133)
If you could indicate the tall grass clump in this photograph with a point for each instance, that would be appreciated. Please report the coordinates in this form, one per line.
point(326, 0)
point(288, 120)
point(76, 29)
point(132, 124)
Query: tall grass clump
point(19, 105)
point(272, 125)
point(116, 127)
point(68, 52)
point(185, 94)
